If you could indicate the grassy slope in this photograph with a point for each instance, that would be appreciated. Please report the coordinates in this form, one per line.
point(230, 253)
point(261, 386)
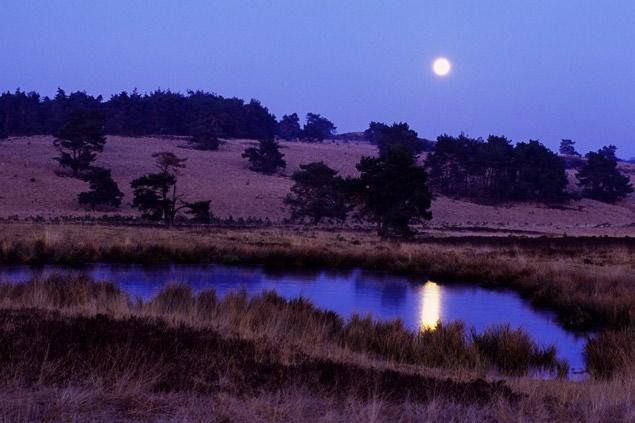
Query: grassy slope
point(28, 186)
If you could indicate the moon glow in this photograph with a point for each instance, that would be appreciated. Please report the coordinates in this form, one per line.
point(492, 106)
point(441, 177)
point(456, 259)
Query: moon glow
point(441, 66)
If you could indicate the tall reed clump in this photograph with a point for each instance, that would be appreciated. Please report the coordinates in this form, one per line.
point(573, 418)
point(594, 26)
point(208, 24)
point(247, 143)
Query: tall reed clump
point(514, 353)
point(65, 291)
point(278, 322)
point(499, 348)
point(611, 353)
point(445, 346)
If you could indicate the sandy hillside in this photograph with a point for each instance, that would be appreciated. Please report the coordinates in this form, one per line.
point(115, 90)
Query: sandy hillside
point(29, 186)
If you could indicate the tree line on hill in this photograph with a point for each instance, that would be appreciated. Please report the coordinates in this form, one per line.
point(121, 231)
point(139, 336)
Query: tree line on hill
point(395, 187)
point(393, 190)
point(494, 170)
point(157, 113)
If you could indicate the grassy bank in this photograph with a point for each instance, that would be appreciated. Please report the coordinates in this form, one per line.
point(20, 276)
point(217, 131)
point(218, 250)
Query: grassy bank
point(588, 282)
point(72, 349)
point(296, 324)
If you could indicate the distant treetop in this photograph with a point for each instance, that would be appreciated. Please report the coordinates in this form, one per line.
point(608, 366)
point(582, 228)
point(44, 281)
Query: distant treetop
point(317, 128)
point(289, 127)
point(600, 178)
point(567, 148)
point(134, 114)
point(495, 170)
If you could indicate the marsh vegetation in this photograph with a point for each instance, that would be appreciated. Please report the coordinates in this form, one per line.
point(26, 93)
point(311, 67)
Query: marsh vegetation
point(180, 355)
point(588, 282)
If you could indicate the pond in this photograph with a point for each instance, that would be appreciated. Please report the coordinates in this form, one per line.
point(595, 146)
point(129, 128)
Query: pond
point(418, 302)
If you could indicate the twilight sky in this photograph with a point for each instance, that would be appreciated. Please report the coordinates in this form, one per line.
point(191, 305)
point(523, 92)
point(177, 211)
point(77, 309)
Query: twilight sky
point(541, 69)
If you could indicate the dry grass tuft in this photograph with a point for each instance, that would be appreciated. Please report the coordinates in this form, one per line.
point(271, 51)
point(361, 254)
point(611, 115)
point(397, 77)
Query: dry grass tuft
point(509, 349)
point(65, 291)
point(611, 353)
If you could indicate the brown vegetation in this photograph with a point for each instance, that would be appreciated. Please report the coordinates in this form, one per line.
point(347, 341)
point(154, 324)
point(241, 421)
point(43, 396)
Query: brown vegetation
point(294, 324)
point(72, 349)
point(611, 352)
point(589, 282)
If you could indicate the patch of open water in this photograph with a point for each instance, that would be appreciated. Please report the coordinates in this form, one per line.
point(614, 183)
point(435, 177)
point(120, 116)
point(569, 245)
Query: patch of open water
point(418, 302)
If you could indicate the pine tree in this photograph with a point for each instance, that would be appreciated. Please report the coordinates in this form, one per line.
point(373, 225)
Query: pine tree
point(317, 128)
point(318, 194)
point(199, 211)
point(79, 140)
point(398, 135)
point(289, 127)
point(567, 148)
point(266, 157)
point(205, 136)
point(155, 194)
point(392, 192)
point(104, 191)
point(600, 178)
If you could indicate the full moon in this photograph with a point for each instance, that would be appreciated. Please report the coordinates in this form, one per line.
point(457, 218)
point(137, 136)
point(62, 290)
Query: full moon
point(441, 66)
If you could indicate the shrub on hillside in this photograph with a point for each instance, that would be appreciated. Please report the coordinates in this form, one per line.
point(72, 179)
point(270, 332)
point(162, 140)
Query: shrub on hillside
point(266, 157)
point(104, 191)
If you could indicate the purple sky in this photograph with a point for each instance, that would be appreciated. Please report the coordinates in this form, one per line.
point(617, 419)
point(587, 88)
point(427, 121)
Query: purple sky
point(537, 69)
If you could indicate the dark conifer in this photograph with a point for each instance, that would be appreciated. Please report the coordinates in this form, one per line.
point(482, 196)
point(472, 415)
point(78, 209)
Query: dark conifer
point(318, 194)
point(80, 139)
point(266, 157)
point(104, 191)
point(392, 192)
point(600, 178)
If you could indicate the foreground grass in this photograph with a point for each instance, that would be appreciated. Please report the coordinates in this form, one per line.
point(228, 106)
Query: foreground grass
point(72, 349)
point(588, 282)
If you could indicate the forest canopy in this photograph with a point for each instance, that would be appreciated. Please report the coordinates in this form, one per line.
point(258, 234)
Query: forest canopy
point(133, 114)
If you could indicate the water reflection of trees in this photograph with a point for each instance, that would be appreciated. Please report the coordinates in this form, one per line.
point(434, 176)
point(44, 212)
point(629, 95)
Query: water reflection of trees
point(306, 275)
point(390, 289)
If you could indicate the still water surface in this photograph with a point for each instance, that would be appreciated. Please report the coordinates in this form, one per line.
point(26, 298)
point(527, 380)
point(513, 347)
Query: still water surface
point(418, 302)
